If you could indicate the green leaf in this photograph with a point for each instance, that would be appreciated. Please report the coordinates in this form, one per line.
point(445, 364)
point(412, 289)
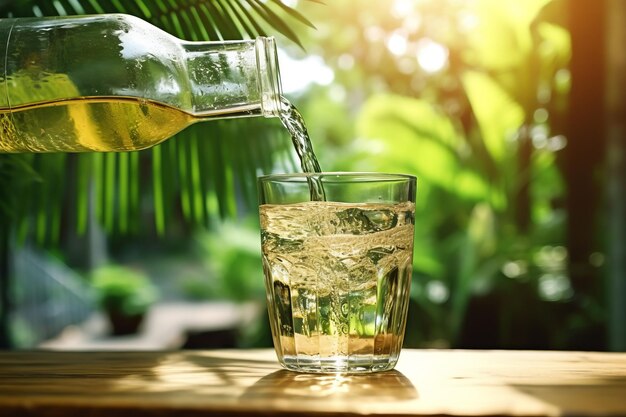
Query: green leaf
point(498, 115)
point(144, 8)
point(502, 39)
point(110, 189)
point(294, 13)
point(95, 4)
point(275, 21)
point(134, 190)
point(556, 47)
point(98, 184)
point(159, 209)
point(478, 261)
point(225, 26)
point(258, 30)
point(122, 192)
point(207, 22)
point(242, 20)
point(406, 134)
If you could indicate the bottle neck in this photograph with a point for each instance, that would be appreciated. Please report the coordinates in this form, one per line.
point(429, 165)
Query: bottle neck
point(233, 78)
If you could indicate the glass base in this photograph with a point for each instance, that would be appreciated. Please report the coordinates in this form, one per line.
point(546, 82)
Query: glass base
point(338, 364)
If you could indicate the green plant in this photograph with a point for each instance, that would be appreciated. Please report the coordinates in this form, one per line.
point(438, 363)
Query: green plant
point(233, 252)
point(123, 290)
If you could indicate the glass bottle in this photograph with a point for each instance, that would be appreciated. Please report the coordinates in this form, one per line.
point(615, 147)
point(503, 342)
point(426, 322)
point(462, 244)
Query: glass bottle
point(116, 83)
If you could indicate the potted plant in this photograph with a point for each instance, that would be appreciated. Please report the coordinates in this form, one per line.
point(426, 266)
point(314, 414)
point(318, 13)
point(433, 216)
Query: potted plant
point(125, 295)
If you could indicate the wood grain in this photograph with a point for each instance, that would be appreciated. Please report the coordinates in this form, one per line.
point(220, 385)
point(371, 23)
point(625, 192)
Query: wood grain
point(250, 382)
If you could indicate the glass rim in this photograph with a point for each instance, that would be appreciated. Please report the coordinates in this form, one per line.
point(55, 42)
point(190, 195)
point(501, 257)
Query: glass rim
point(339, 175)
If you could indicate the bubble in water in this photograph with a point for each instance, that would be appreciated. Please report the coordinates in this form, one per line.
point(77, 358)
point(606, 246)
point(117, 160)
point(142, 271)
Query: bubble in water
point(344, 309)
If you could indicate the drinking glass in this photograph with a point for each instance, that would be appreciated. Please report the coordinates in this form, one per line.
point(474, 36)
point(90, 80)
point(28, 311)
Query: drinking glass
point(337, 270)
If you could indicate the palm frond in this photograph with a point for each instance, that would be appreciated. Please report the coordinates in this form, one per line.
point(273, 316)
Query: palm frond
point(294, 13)
point(270, 16)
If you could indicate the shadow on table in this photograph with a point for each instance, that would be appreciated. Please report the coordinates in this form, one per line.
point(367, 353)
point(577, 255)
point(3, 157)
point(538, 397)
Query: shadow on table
point(376, 387)
point(137, 374)
point(581, 394)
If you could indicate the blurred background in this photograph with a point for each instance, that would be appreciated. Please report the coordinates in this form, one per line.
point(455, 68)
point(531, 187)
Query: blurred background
point(511, 113)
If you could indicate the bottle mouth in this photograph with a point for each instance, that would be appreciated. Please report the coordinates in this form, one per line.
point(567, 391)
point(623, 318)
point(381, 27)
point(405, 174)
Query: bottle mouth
point(269, 76)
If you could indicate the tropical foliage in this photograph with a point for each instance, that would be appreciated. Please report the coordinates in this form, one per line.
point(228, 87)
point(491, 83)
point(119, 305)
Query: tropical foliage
point(468, 96)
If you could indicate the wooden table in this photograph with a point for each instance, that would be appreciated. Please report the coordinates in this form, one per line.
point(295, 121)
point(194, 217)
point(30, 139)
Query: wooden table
point(249, 382)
